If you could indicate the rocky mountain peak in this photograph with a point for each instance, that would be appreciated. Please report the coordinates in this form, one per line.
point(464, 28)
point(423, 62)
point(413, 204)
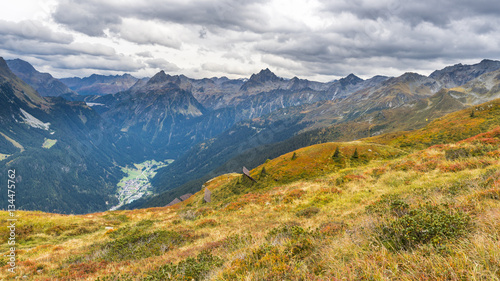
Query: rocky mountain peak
point(162, 78)
point(460, 74)
point(410, 76)
point(4, 69)
point(350, 79)
point(264, 76)
point(158, 78)
point(21, 66)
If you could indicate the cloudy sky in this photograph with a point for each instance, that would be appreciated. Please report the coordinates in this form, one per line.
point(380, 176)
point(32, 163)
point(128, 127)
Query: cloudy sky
point(320, 40)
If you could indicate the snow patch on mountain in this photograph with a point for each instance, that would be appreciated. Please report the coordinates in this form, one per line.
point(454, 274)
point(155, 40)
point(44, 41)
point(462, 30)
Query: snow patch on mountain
point(33, 122)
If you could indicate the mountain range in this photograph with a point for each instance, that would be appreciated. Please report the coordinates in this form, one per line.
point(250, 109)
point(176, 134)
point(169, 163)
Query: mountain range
point(209, 126)
point(99, 84)
point(406, 205)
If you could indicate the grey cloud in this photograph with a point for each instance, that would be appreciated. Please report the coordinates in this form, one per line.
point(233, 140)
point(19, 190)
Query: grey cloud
point(31, 47)
point(356, 40)
point(145, 54)
point(362, 36)
point(202, 33)
point(88, 17)
point(162, 64)
point(437, 12)
point(33, 30)
point(94, 17)
point(116, 63)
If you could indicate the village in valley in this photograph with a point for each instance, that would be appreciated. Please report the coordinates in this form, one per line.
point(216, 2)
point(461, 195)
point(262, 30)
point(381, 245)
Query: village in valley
point(137, 183)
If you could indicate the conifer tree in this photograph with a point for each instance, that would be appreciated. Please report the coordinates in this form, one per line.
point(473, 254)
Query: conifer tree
point(263, 172)
point(355, 155)
point(294, 156)
point(336, 154)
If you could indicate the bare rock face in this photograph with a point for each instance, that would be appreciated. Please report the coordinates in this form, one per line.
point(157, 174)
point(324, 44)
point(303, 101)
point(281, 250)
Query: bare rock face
point(208, 196)
point(459, 74)
point(185, 196)
point(175, 201)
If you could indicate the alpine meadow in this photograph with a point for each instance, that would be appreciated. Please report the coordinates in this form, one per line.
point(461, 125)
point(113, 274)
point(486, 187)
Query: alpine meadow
point(229, 140)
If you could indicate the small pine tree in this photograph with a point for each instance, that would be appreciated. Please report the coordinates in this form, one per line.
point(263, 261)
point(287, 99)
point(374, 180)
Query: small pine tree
point(294, 156)
point(336, 154)
point(263, 172)
point(472, 114)
point(355, 155)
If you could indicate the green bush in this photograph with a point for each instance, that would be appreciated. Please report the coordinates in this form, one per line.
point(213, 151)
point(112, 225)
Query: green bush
point(299, 248)
point(456, 153)
point(291, 231)
point(388, 203)
point(399, 207)
point(429, 224)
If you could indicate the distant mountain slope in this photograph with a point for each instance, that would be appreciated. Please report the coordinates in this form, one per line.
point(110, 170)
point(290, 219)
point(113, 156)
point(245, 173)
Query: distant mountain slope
point(100, 84)
point(459, 74)
point(17, 92)
point(482, 89)
point(403, 103)
point(166, 118)
point(43, 83)
point(65, 159)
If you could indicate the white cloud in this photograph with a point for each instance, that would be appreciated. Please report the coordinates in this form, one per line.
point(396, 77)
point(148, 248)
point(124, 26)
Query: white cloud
point(147, 33)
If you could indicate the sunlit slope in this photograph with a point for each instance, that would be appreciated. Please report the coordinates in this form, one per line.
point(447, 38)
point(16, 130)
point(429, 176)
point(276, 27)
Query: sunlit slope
point(373, 209)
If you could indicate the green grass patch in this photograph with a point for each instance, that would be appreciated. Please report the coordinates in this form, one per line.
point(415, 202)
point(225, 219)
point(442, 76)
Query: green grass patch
point(48, 143)
point(133, 246)
point(192, 268)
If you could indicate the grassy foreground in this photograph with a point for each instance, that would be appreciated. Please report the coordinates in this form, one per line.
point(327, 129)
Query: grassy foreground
point(422, 205)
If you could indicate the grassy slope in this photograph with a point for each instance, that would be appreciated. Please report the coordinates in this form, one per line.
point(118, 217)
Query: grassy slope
point(15, 143)
point(48, 143)
point(429, 213)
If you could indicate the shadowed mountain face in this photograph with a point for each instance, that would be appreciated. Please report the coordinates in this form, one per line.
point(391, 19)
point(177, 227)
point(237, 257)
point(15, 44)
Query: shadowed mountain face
point(43, 83)
point(166, 118)
point(64, 156)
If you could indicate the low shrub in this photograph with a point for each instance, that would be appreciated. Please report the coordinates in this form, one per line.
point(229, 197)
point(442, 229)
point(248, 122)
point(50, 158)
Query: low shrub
point(291, 231)
point(429, 224)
